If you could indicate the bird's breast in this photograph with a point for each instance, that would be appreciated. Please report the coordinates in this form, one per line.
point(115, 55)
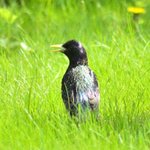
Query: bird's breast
point(84, 82)
point(82, 77)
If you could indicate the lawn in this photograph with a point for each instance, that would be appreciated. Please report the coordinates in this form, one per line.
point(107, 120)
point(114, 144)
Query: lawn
point(32, 113)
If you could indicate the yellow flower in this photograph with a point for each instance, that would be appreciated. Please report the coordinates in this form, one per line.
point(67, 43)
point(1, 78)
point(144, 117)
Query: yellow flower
point(136, 10)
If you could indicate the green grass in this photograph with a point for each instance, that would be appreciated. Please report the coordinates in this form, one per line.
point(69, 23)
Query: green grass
point(32, 114)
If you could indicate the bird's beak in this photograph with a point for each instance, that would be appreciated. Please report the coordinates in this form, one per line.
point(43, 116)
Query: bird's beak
point(59, 48)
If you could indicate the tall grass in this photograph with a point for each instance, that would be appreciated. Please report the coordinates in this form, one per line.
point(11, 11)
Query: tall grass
point(32, 114)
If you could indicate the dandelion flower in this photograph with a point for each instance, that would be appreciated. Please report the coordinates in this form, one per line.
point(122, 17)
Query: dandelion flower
point(136, 10)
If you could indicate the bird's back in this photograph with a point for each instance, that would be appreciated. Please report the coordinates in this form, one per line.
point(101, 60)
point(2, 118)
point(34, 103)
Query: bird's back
point(80, 87)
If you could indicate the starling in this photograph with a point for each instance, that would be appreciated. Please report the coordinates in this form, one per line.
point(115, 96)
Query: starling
point(79, 83)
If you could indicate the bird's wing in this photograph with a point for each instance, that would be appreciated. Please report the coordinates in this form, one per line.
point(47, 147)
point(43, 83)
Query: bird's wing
point(68, 91)
point(93, 98)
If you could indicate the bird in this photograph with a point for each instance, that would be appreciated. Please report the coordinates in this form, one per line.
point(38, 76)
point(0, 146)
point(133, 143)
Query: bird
point(80, 89)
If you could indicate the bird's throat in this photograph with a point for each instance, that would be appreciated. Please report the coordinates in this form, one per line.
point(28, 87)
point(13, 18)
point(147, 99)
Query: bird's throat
point(74, 63)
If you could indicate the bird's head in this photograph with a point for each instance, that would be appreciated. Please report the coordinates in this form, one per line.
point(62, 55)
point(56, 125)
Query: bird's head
point(74, 51)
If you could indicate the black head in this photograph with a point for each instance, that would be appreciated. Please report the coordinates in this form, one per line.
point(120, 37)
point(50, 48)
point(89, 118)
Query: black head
point(75, 52)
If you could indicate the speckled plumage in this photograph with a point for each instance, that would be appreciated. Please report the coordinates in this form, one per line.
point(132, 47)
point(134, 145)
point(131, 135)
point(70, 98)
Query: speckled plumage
point(79, 84)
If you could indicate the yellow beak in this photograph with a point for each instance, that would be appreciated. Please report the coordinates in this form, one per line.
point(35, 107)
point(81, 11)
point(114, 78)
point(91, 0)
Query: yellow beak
point(59, 46)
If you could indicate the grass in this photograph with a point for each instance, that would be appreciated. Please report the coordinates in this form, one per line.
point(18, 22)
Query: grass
point(32, 114)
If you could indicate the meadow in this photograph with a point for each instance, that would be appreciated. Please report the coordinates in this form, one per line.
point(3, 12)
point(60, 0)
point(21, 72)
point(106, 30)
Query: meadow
point(32, 114)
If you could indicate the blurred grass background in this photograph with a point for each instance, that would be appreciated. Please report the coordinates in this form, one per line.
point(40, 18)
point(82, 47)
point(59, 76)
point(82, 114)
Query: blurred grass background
point(32, 114)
